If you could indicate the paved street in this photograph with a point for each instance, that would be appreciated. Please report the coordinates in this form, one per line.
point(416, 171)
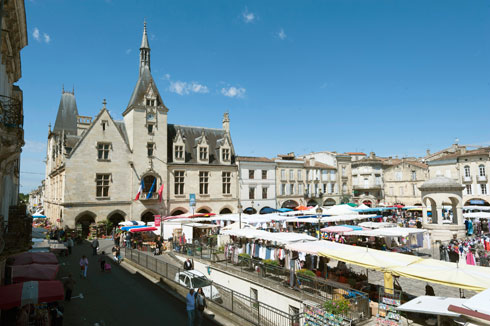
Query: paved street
point(117, 298)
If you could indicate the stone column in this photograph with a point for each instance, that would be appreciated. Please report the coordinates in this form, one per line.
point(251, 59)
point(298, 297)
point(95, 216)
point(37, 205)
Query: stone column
point(439, 215)
point(424, 214)
point(459, 210)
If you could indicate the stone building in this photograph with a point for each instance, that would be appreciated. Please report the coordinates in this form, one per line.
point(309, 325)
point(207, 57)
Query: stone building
point(367, 180)
point(96, 167)
point(257, 183)
point(290, 181)
point(469, 168)
point(402, 179)
point(13, 38)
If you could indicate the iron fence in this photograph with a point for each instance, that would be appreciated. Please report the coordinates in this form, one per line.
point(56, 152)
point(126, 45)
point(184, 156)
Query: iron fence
point(245, 307)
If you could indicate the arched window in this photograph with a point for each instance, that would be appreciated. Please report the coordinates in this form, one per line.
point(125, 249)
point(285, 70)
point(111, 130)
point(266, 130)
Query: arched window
point(148, 184)
point(467, 171)
point(482, 170)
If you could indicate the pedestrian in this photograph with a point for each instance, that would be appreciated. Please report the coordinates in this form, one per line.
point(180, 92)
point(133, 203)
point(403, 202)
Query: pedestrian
point(102, 261)
point(200, 306)
point(83, 266)
point(95, 245)
point(116, 252)
point(117, 239)
point(68, 284)
point(191, 306)
point(429, 290)
point(70, 245)
point(188, 265)
point(128, 240)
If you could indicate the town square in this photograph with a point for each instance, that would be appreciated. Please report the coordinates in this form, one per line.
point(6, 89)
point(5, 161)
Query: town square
point(244, 163)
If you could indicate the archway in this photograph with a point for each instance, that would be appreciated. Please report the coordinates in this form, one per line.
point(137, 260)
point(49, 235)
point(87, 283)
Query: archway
point(329, 202)
point(203, 210)
point(82, 223)
point(476, 202)
point(225, 210)
point(250, 210)
point(311, 202)
point(367, 203)
point(289, 204)
point(432, 212)
point(149, 216)
point(114, 219)
point(178, 211)
point(266, 210)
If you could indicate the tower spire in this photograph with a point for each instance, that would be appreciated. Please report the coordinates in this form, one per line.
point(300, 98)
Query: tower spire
point(144, 50)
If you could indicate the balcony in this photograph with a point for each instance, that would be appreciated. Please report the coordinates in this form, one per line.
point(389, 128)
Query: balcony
point(467, 179)
point(366, 187)
point(144, 195)
point(11, 112)
point(482, 178)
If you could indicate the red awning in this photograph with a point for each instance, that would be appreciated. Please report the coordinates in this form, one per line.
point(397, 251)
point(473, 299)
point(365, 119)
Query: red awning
point(147, 228)
point(27, 258)
point(17, 295)
point(34, 272)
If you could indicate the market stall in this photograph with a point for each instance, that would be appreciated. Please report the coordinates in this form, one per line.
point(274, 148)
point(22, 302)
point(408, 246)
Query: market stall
point(33, 272)
point(27, 258)
point(31, 292)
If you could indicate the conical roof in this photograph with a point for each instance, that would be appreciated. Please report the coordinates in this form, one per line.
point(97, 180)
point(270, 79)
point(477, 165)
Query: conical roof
point(66, 120)
point(144, 41)
point(145, 81)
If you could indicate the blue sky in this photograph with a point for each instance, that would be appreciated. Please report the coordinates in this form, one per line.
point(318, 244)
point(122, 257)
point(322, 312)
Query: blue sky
point(393, 77)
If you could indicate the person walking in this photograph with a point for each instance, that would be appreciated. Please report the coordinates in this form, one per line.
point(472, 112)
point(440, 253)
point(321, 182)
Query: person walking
point(68, 284)
point(69, 244)
point(188, 265)
point(95, 245)
point(83, 266)
point(200, 306)
point(191, 306)
point(116, 252)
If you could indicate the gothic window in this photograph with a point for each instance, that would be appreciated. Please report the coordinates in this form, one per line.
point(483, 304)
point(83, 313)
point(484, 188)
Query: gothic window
point(203, 182)
point(226, 176)
point(179, 182)
point(150, 147)
point(103, 151)
point(225, 154)
point(102, 185)
point(203, 153)
point(150, 128)
point(179, 152)
point(149, 183)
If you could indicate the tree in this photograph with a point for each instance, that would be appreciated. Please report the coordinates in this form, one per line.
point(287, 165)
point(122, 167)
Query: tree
point(23, 198)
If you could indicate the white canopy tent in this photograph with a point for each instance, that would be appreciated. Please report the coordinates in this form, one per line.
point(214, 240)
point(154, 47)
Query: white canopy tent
point(477, 215)
point(432, 305)
point(388, 232)
point(377, 225)
point(279, 237)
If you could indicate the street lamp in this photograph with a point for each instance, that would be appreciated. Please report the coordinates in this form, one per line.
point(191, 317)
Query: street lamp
point(239, 215)
point(319, 212)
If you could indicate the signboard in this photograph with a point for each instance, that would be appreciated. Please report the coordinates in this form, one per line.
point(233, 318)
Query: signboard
point(192, 200)
point(477, 202)
point(158, 220)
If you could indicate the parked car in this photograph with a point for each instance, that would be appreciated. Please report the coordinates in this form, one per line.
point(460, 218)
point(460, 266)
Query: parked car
point(194, 280)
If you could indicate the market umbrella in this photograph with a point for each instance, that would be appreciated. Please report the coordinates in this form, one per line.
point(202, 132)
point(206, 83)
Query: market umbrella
point(301, 208)
point(27, 258)
point(267, 210)
point(38, 215)
point(149, 228)
point(284, 210)
point(33, 292)
point(352, 227)
point(34, 272)
point(336, 229)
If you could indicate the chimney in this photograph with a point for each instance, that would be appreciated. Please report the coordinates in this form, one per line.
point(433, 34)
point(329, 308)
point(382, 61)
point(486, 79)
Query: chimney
point(462, 150)
point(427, 152)
point(372, 155)
point(226, 122)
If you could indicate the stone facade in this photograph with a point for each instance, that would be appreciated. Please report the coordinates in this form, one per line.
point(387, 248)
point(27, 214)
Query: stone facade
point(96, 167)
point(257, 183)
point(290, 181)
point(402, 179)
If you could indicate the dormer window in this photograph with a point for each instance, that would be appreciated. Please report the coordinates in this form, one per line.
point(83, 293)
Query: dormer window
point(179, 152)
point(203, 153)
point(225, 154)
point(150, 102)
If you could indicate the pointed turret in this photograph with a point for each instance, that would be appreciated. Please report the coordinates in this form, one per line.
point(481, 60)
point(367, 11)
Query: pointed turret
point(66, 120)
point(144, 52)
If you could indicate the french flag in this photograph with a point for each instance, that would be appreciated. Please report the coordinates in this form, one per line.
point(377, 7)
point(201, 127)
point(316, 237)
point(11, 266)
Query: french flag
point(160, 191)
point(140, 190)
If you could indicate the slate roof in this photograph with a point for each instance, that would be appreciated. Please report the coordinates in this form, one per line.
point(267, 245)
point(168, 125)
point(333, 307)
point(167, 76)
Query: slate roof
point(67, 114)
point(144, 80)
point(192, 135)
point(122, 128)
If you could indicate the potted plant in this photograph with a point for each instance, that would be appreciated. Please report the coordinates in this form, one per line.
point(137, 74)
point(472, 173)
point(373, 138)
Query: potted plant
point(337, 307)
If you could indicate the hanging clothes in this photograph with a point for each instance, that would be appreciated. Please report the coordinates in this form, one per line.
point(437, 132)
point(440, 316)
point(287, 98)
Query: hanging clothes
point(470, 259)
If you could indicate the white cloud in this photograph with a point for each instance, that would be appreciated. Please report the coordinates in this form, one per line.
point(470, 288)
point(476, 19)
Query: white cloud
point(40, 37)
point(36, 34)
point(47, 38)
point(185, 88)
point(233, 91)
point(248, 17)
point(128, 51)
point(281, 34)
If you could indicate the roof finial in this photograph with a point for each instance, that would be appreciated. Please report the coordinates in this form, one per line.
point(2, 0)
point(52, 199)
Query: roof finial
point(73, 89)
point(104, 102)
point(62, 88)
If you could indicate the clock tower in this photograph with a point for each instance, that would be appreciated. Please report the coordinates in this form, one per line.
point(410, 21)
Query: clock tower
point(145, 120)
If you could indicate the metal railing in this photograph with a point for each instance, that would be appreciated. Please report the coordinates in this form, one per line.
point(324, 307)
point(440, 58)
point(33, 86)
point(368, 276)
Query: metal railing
point(319, 288)
point(253, 311)
point(11, 112)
